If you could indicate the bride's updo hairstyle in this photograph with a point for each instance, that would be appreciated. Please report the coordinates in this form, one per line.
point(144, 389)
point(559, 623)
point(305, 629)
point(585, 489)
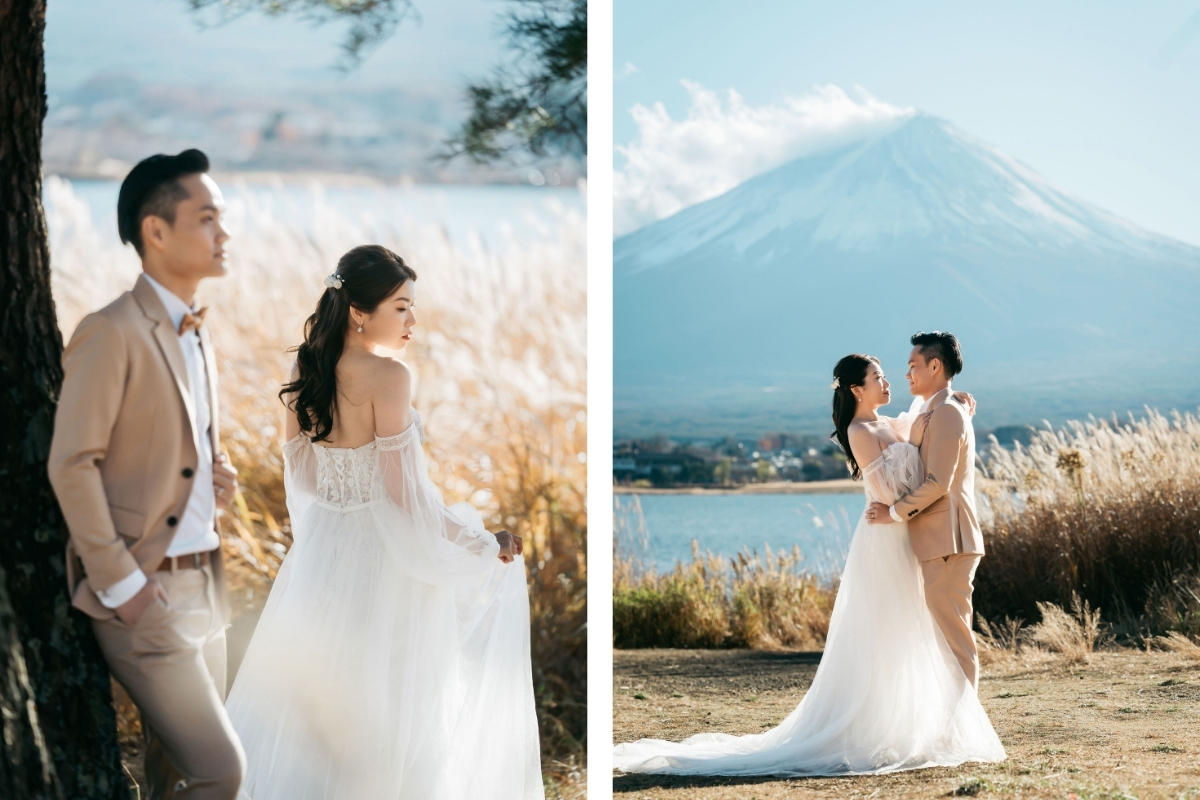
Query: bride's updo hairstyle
point(365, 277)
point(850, 371)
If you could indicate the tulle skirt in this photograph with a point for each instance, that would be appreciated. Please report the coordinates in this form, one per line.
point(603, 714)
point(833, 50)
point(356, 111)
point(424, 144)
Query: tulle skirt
point(361, 682)
point(888, 694)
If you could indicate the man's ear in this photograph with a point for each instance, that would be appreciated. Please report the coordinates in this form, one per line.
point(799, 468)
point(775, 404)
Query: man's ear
point(153, 232)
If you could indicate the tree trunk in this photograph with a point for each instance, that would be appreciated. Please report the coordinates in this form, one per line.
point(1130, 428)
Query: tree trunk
point(26, 771)
point(65, 668)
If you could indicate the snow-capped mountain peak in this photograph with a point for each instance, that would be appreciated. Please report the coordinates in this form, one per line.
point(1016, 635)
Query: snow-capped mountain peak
point(854, 249)
point(923, 181)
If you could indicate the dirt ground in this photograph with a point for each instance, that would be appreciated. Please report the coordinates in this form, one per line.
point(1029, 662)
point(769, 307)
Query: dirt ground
point(1127, 725)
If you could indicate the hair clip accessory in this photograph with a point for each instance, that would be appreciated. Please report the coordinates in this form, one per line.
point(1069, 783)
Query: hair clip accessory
point(837, 384)
point(334, 281)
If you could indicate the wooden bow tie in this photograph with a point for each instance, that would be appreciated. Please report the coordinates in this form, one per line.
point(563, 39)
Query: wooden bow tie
point(191, 321)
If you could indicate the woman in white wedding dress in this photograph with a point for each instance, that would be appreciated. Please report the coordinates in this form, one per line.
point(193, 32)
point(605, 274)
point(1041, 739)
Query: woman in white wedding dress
point(392, 657)
point(888, 694)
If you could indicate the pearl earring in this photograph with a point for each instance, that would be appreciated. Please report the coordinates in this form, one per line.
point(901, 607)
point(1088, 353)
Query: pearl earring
point(360, 328)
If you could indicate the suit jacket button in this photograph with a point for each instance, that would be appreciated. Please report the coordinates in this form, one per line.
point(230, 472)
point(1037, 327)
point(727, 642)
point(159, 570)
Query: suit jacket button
point(172, 521)
point(188, 472)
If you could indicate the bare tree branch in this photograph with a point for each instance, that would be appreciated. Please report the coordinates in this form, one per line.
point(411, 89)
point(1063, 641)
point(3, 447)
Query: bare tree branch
point(538, 105)
point(372, 21)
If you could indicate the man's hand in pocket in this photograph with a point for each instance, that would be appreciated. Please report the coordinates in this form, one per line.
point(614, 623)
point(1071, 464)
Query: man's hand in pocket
point(131, 611)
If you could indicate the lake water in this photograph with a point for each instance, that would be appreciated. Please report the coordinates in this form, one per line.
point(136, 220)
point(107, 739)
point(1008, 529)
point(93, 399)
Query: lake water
point(820, 524)
point(496, 214)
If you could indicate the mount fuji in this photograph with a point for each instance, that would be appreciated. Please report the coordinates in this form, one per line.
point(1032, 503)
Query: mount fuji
point(729, 315)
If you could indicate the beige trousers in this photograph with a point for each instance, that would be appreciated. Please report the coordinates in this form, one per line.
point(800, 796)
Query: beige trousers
point(172, 663)
point(949, 583)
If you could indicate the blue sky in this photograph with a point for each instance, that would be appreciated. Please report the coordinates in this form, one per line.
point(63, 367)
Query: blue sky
point(161, 41)
point(1101, 97)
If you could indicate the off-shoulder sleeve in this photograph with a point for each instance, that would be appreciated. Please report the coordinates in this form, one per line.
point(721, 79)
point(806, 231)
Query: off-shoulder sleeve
point(432, 543)
point(895, 473)
point(299, 479)
point(450, 548)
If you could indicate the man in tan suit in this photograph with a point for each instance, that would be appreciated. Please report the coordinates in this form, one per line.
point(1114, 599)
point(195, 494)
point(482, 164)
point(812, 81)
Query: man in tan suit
point(137, 468)
point(942, 523)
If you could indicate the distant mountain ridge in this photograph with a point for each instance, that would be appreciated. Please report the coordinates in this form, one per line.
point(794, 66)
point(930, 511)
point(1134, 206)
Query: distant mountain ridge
point(110, 122)
point(738, 307)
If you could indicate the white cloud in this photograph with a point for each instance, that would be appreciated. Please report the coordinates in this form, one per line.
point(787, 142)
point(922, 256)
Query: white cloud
point(672, 164)
point(626, 71)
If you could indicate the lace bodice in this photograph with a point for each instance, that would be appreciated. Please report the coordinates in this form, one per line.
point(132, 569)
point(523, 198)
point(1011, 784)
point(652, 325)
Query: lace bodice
point(896, 472)
point(344, 474)
point(387, 481)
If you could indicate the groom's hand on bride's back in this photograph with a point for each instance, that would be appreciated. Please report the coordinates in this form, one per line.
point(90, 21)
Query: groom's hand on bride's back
point(133, 608)
point(510, 545)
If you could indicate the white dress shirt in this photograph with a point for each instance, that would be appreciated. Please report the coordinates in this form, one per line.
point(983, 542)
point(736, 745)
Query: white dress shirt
point(196, 532)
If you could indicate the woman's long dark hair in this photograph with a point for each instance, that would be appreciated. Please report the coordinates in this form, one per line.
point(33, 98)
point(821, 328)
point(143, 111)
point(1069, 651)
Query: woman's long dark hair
point(369, 274)
point(850, 371)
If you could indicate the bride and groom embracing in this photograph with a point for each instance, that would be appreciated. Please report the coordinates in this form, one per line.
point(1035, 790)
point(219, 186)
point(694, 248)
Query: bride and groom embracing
point(392, 659)
point(896, 686)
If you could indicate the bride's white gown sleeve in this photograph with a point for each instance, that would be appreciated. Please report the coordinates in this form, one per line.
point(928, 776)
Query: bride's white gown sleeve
point(392, 658)
point(888, 694)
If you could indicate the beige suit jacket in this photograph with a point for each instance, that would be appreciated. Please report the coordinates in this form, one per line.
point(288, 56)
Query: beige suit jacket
point(125, 444)
point(941, 511)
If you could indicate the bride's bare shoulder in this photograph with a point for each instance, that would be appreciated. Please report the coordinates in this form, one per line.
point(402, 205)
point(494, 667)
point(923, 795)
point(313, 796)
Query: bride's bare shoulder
point(391, 380)
point(864, 442)
point(391, 396)
point(390, 370)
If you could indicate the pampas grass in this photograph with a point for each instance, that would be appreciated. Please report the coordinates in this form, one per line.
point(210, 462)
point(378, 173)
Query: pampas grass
point(1003, 636)
point(1177, 643)
point(500, 361)
point(1103, 509)
point(1073, 635)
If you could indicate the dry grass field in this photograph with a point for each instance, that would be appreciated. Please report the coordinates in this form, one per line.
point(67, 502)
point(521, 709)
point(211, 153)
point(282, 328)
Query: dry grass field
point(1101, 512)
point(1124, 725)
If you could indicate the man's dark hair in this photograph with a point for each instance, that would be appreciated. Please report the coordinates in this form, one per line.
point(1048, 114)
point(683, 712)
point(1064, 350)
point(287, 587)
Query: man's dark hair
point(153, 188)
point(940, 345)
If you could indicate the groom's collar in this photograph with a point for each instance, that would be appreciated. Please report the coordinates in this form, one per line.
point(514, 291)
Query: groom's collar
point(936, 399)
point(152, 305)
point(175, 306)
point(159, 303)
